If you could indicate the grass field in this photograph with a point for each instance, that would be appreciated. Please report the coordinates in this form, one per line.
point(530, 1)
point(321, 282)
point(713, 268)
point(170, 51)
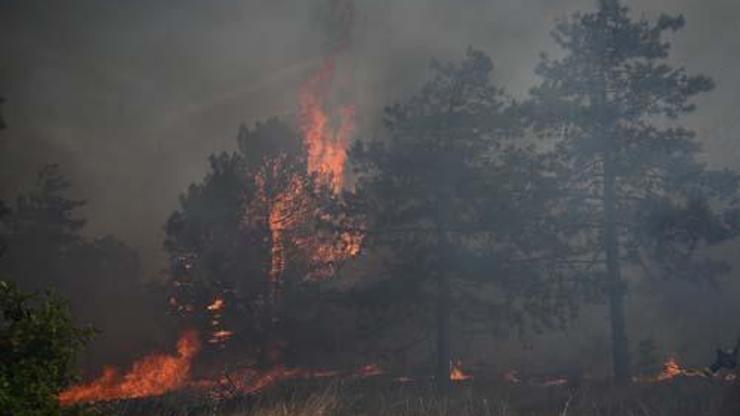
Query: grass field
point(381, 396)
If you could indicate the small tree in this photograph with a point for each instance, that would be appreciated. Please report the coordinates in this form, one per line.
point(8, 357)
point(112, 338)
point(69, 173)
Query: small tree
point(632, 185)
point(38, 348)
point(249, 232)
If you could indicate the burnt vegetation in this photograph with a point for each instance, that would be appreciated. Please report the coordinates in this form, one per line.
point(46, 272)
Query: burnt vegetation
point(320, 269)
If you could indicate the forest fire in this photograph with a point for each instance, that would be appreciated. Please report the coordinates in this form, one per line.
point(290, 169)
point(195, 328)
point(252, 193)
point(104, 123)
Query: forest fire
point(326, 129)
point(150, 376)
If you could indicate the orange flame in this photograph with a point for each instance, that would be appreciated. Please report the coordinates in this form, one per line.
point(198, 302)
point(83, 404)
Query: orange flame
point(671, 369)
point(327, 128)
point(325, 137)
point(151, 376)
point(456, 372)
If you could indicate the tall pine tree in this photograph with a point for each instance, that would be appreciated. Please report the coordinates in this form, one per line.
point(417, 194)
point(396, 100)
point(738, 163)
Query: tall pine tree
point(452, 205)
point(634, 187)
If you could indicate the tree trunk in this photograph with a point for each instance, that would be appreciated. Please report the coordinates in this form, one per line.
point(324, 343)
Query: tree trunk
point(616, 286)
point(442, 373)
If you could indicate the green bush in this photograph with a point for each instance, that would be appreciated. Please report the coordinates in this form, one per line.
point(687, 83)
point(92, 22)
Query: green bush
point(38, 347)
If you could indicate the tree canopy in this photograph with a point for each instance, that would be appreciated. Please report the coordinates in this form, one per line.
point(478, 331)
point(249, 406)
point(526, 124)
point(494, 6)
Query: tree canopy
point(629, 173)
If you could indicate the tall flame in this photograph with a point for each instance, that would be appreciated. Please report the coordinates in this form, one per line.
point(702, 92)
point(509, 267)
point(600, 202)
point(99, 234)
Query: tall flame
point(326, 129)
point(326, 138)
point(150, 376)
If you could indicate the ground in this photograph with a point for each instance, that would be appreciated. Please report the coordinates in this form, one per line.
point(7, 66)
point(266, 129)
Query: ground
point(383, 396)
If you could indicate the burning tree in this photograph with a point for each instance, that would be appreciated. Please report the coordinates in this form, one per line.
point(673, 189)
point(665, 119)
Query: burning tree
point(453, 206)
point(631, 181)
point(257, 231)
point(266, 221)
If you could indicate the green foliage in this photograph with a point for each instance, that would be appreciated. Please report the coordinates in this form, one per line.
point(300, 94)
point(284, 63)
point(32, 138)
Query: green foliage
point(38, 347)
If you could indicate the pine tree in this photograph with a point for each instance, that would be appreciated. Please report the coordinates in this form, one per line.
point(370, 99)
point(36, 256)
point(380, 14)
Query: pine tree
point(633, 185)
point(452, 205)
point(41, 230)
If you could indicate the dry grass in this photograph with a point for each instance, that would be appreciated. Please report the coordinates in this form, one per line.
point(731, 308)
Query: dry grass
point(383, 398)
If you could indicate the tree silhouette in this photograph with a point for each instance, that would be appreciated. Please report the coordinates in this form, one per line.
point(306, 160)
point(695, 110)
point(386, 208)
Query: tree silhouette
point(631, 179)
point(42, 229)
point(101, 278)
point(248, 232)
point(453, 206)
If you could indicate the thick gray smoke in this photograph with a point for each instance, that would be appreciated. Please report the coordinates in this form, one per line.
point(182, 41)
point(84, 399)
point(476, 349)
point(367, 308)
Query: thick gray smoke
point(130, 97)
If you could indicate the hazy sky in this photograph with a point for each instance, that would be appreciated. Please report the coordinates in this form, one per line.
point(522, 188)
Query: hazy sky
point(130, 96)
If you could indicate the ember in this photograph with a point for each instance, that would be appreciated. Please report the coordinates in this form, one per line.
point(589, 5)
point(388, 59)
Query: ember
point(671, 369)
point(217, 305)
point(456, 372)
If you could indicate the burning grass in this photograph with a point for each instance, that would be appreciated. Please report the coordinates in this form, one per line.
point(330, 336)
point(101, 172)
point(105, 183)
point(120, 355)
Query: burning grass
point(153, 375)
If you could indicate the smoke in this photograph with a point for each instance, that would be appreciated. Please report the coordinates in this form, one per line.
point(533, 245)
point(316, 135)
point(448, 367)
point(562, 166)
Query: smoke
point(132, 111)
point(130, 97)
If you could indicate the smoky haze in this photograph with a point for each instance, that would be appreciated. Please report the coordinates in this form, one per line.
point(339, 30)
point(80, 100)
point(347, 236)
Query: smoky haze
point(130, 97)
